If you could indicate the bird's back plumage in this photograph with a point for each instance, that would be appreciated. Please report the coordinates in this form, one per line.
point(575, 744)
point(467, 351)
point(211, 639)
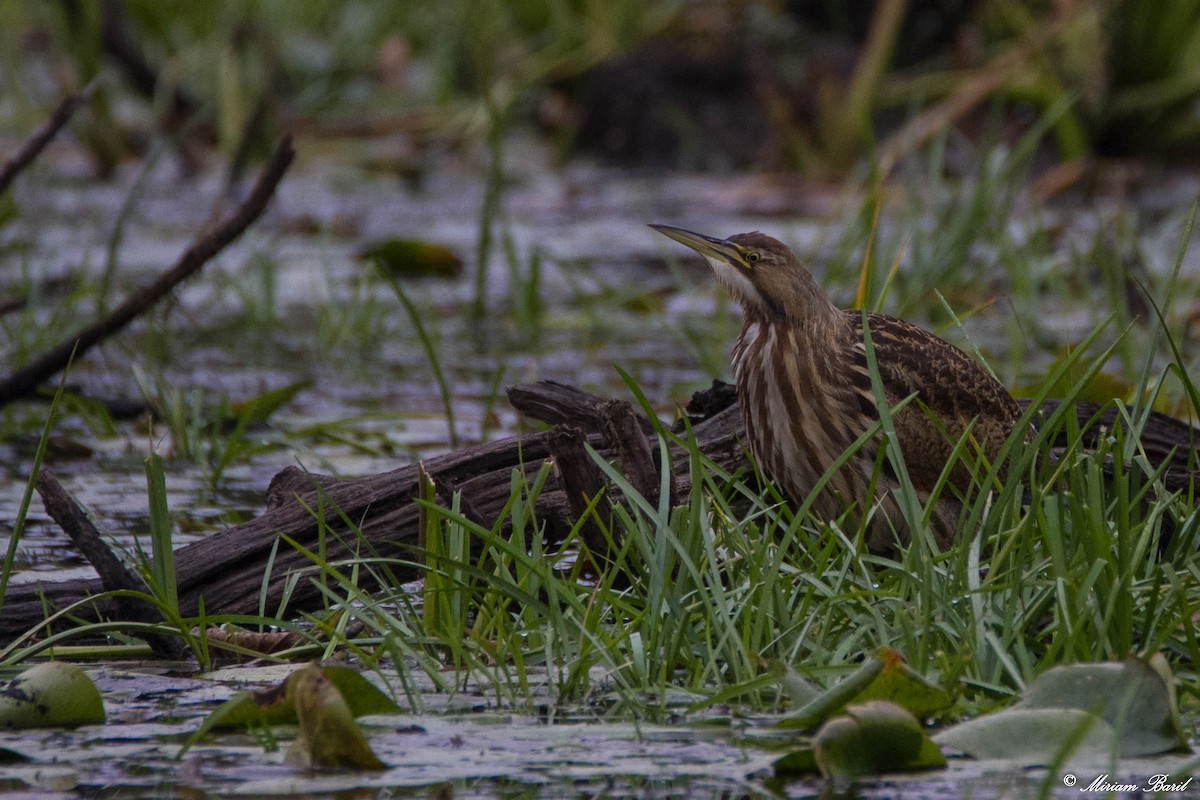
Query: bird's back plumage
point(950, 391)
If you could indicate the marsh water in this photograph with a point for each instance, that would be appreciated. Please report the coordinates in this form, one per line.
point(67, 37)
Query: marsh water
point(465, 745)
point(575, 286)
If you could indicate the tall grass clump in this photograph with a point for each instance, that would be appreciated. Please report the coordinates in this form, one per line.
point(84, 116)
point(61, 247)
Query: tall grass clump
point(1066, 553)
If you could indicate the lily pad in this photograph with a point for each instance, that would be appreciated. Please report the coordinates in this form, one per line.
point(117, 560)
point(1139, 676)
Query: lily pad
point(882, 676)
point(800, 690)
point(1031, 735)
point(873, 738)
point(836, 697)
point(277, 706)
point(50, 695)
point(1114, 707)
point(904, 686)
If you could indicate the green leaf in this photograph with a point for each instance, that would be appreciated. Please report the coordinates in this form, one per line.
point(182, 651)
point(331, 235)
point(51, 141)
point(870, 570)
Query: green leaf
point(276, 706)
point(1131, 696)
point(10, 756)
point(836, 697)
point(1158, 663)
point(800, 690)
point(1114, 707)
point(329, 736)
point(873, 738)
point(1031, 735)
point(162, 568)
point(260, 407)
point(238, 711)
point(1098, 387)
point(802, 761)
point(405, 258)
point(50, 695)
point(883, 676)
point(362, 696)
point(899, 683)
point(8, 208)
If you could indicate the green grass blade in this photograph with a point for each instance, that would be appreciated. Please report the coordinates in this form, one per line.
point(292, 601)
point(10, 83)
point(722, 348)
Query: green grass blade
point(162, 568)
point(35, 469)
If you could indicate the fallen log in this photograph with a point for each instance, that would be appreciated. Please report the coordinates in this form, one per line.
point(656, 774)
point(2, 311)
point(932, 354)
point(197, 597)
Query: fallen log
point(377, 516)
point(225, 570)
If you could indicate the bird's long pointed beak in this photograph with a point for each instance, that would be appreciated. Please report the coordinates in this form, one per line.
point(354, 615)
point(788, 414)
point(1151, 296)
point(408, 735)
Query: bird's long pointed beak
point(708, 246)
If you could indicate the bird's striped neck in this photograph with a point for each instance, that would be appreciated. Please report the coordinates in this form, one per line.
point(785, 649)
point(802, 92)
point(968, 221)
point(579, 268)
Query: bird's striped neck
point(789, 391)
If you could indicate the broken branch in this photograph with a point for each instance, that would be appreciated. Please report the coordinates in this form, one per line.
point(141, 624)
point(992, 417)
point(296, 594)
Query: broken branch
point(26, 379)
point(41, 137)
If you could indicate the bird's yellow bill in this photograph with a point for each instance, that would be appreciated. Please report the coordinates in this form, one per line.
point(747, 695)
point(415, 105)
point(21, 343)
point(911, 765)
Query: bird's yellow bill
point(708, 246)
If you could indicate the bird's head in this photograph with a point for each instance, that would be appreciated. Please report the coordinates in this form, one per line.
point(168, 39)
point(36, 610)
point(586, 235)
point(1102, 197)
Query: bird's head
point(761, 273)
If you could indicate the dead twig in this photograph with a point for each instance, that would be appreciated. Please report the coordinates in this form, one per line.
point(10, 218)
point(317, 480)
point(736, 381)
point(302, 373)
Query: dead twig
point(42, 137)
point(114, 575)
point(26, 379)
point(12, 304)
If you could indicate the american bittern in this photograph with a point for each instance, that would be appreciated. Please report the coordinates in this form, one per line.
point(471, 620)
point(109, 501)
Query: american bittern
point(805, 392)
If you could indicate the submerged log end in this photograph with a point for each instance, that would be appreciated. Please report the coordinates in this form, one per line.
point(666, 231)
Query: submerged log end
point(582, 482)
point(625, 436)
point(709, 402)
point(114, 575)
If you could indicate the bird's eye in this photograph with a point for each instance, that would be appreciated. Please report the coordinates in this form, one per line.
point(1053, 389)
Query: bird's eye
point(752, 257)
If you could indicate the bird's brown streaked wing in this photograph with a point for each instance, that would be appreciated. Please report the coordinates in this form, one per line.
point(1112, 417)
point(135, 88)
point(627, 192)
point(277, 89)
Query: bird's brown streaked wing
point(913, 361)
point(946, 381)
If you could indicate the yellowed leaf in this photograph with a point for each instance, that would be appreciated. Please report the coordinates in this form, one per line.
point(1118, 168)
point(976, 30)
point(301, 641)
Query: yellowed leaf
point(329, 736)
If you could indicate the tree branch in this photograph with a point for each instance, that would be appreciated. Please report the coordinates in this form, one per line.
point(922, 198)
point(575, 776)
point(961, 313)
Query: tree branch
point(26, 379)
point(41, 137)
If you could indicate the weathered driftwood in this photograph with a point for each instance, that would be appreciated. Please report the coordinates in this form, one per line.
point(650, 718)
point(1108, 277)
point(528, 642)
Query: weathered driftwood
point(226, 569)
point(582, 483)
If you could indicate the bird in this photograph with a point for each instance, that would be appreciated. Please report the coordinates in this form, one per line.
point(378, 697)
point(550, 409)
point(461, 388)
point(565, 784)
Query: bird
point(806, 396)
